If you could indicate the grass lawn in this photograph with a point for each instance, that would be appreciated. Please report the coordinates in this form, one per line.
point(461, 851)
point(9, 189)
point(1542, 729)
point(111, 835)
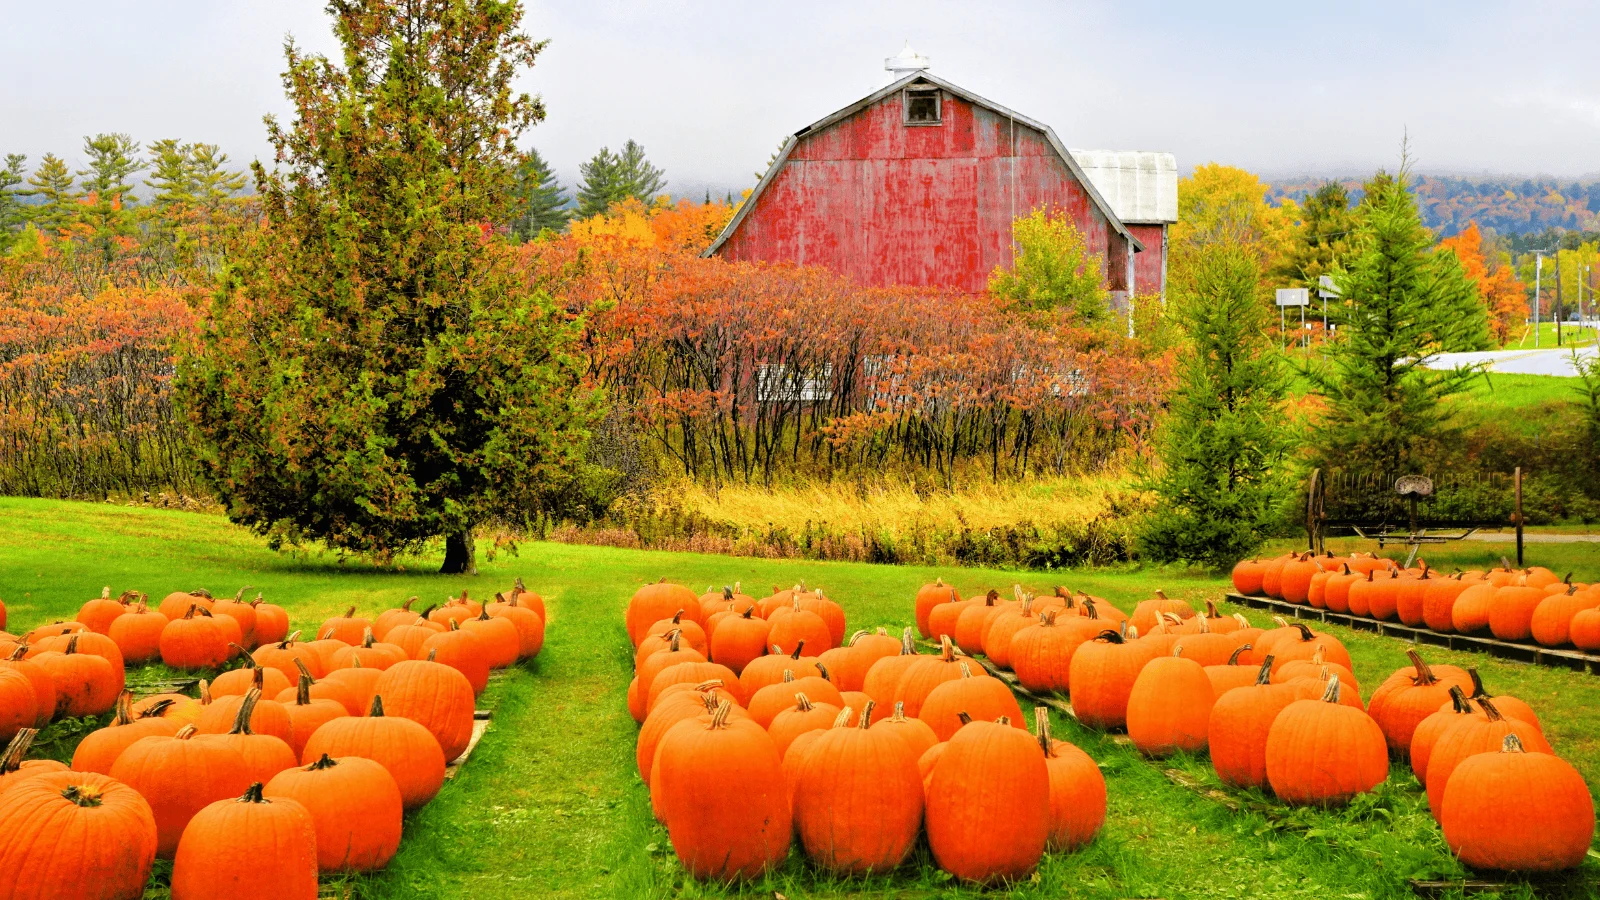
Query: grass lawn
point(1525, 338)
point(550, 805)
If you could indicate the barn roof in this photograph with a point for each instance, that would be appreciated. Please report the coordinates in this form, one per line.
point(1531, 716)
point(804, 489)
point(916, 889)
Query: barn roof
point(1141, 185)
point(789, 143)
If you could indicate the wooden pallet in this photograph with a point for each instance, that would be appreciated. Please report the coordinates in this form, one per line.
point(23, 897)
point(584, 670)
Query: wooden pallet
point(1525, 652)
point(480, 724)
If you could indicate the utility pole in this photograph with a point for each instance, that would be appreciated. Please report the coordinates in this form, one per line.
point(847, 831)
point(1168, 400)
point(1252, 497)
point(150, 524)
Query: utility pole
point(1538, 268)
point(1560, 311)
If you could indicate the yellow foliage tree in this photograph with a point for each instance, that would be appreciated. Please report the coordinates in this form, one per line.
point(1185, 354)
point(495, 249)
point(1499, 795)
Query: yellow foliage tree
point(1225, 205)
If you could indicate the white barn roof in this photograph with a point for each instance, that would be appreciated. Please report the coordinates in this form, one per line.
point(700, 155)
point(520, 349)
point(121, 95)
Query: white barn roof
point(1141, 185)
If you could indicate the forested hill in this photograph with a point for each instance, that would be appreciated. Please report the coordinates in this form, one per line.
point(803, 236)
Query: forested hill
point(1508, 205)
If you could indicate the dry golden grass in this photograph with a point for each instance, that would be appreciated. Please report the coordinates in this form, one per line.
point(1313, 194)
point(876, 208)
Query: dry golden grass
point(893, 506)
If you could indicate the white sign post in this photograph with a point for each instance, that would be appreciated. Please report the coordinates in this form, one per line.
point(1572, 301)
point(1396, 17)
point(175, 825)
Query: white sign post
point(1293, 297)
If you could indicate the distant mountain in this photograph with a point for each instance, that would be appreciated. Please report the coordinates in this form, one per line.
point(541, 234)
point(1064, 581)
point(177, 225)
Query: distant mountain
point(1508, 205)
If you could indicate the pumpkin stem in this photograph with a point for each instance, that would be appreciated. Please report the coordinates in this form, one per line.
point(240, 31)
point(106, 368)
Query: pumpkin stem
point(856, 637)
point(900, 711)
point(1485, 704)
point(843, 718)
point(947, 650)
point(802, 702)
point(788, 675)
point(368, 638)
point(247, 708)
point(433, 654)
point(1478, 689)
point(1424, 674)
point(253, 795)
point(1112, 636)
point(966, 671)
point(709, 684)
point(11, 760)
point(866, 713)
point(1041, 721)
point(1458, 698)
point(822, 671)
point(749, 611)
point(258, 678)
point(1331, 694)
point(1317, 656)
point(991, 598)
point(82, 795)
point(1233, 658)
point(1305, 632)
point(1090, 609)
point(301, 665)
point(157, 709)
point(907, 646)
point(302, 691)
point(376, 712)
point(1264, 676)
point(187, 732)
point(1511, 744)
point(720, 717)
point(326, 762)
point(124, 708)
point(205, 692)
point(1003, 720)
point(798, 646)
point(962, 715)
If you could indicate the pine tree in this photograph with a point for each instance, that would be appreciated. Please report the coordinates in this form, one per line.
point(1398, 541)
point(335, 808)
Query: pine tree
point(375, 371)
point(610, 178)
point(644, 181)
point(539, 200)
point(13, 214)
point(53, 182)
point(1324, 240)
point(171, 181)
point(1383, 406)
point(108, 198)
point(213, 182)
point(1223, 443)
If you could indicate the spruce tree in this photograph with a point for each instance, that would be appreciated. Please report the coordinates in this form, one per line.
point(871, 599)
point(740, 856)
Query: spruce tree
point(1323, 242)
point(644, 181)
point(375, 370)
point(1396, 309)
point(539, 200)
point(52, 181)
point(1222, 445)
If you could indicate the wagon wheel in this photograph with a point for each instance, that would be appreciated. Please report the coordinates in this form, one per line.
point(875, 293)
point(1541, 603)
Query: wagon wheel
point(1316, 511)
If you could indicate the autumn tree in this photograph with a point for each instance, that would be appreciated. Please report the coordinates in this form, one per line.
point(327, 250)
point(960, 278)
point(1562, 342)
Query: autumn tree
point(1052, 271)
point(1501, 294)
point(52, 182)
point(1398, 308)
point(613, 177)
point(1220, 204)
point(1223, 442)
point(539, 202)
point(375, 372)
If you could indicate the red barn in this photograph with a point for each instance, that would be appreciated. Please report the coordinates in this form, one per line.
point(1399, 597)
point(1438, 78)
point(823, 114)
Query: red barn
point(919, 182)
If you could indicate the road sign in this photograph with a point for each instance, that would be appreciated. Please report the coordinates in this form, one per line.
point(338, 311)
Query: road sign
point(1294, 297)
point(1325, 288)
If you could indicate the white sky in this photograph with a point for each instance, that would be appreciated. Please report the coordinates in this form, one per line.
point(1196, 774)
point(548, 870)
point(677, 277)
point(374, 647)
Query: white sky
point(710, 88)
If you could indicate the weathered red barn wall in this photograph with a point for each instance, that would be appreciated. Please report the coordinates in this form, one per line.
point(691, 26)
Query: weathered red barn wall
point(924, 205)
point(1147, 265)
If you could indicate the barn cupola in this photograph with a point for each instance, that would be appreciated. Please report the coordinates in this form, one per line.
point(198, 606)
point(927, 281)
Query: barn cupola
point(906, 63)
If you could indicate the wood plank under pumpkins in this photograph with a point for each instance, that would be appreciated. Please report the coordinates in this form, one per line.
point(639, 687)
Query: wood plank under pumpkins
point(480, 724)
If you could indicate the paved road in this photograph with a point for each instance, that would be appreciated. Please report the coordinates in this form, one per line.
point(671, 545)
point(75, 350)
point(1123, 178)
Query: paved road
point(1515, 362)
point(1510, 537)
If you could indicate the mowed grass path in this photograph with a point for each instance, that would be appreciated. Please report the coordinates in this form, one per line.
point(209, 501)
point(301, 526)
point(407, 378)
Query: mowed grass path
point(550, 805)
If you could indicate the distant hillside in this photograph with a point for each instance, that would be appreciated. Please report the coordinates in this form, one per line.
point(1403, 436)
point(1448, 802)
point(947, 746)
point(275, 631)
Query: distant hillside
point(1508, 205)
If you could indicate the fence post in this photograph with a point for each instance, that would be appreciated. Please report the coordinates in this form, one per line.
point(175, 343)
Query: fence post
point(1517, 516)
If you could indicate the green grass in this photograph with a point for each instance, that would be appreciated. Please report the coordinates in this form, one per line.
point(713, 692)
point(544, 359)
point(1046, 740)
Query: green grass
point(550, 805)
point(1524, 338)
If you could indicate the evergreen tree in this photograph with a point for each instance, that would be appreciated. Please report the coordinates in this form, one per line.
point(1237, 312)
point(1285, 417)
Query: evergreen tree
point(107, 197)
point(1383, 411)
point(610, 178)
point(644, 181)
point(1324, 241)
point(53, 182)
point(113, 161)
point(213, 182)
point(171, 181)
point(1223, 443)
point(375, 371)
point(539, 201)
point(12, 212)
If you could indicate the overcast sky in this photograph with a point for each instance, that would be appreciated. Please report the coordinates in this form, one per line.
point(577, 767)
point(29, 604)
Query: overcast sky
point(710, 88)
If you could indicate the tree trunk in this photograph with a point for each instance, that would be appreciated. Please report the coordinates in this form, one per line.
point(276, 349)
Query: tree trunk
point(460, 556)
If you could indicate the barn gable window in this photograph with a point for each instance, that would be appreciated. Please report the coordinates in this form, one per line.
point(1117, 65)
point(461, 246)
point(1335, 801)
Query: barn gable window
point(922, 105)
